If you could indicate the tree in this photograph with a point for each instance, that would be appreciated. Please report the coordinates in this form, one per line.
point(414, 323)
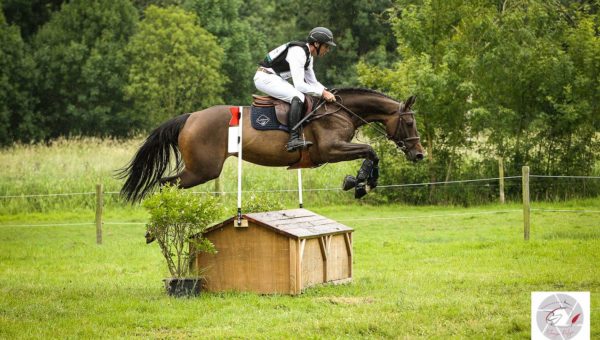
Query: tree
point(82, 69)
point(176, 66)
point(17, 116)
point(513, 79)
point(536, 82)
point(29, 15)
point(429, 67)
point(361, 29)
point(243, 46)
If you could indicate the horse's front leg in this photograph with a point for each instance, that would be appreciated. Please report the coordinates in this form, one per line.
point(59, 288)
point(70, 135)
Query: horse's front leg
point(368, 174)
point(365, 180)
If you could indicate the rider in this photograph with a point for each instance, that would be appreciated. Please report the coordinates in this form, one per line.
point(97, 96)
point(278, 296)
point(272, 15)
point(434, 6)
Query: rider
point(294, 60)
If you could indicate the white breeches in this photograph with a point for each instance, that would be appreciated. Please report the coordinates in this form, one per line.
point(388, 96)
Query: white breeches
point(277, 87)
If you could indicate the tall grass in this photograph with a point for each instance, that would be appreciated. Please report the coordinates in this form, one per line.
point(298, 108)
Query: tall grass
point(64, 174)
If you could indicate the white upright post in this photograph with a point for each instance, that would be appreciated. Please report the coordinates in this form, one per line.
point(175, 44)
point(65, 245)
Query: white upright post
point(300, 187)
point(239, 196)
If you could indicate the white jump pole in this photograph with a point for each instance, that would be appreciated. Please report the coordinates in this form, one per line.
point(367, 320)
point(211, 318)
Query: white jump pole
point(300, 187)
point(239, 194)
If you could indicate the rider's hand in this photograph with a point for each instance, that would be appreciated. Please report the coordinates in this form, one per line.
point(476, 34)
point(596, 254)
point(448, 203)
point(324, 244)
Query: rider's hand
point(328, 96)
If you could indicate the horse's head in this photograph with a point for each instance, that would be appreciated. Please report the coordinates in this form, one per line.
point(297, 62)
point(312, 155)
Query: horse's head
point(402, 129)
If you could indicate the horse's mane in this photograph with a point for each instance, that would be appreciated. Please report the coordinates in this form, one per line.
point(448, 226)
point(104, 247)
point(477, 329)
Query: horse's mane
point(364, 90)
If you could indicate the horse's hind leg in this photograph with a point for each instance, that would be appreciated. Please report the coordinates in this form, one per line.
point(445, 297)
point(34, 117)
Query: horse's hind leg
point(190, 177)
point(184, 179)
point(187, 179)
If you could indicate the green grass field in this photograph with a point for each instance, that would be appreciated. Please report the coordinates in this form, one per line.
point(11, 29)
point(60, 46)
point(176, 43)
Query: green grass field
point(432, 272)
point(427, 271)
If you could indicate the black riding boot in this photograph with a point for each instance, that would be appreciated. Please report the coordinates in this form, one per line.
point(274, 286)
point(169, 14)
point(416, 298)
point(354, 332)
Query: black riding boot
point(294, 117)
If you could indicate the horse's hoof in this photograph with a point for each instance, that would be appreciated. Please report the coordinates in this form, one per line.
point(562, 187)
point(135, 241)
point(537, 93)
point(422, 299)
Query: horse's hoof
point(360, 190)
point(349, 182)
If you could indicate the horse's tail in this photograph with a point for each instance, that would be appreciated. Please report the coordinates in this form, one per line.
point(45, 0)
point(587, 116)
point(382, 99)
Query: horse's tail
point(152, 160)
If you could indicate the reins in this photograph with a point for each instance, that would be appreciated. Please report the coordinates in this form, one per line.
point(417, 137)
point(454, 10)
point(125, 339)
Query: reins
point(395, 137)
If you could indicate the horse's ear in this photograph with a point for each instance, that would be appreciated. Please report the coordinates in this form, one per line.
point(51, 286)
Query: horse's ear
point(410, 102)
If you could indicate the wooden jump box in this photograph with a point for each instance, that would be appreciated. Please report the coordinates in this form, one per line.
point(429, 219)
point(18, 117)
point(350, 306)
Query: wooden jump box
point(279, 252)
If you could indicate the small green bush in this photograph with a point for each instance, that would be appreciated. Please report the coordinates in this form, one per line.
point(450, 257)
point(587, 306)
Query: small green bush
point(177, 219)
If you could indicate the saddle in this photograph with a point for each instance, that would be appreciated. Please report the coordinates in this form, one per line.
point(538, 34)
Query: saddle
point(269, 113)
point(281, 107)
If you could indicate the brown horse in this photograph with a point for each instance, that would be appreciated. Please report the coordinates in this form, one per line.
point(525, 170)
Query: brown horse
point(200, 140)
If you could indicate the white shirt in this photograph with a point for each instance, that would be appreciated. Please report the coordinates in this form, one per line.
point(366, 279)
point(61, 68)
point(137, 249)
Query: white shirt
point(304, 81)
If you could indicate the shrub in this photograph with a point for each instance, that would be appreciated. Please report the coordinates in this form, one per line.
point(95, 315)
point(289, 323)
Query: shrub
point(177, 220)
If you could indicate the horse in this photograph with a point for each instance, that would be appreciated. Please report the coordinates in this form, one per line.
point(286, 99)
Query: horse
point(198, 142)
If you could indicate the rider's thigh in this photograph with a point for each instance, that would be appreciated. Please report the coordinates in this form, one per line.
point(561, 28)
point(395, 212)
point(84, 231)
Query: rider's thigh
point(275, 86)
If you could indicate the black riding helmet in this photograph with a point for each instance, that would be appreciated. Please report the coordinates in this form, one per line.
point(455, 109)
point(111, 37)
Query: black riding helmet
point(322, 35)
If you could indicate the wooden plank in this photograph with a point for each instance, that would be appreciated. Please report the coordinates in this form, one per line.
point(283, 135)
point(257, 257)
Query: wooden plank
point(300, 251)
point(312, 263)
point(348, 239)
point(294, 288)
point(323, 247)
point(250, 259)
point(325, 256)
point(349, 251)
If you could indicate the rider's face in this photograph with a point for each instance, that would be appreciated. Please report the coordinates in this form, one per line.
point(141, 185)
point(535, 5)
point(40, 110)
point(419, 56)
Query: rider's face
point(324, 50)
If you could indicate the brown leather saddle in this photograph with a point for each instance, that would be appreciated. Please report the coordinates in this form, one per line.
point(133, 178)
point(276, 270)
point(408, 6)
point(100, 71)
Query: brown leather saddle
point(281, 112)
point(281, 107)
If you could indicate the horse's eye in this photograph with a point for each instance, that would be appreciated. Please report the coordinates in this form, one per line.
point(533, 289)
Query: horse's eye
point(410, 123)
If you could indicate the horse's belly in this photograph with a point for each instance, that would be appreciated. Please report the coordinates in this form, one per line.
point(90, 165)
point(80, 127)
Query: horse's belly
point(267, 148)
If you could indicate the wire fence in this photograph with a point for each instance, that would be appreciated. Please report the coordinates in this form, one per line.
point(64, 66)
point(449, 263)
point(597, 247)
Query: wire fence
point(99, 222)
point(388, 186)
point(420, 216)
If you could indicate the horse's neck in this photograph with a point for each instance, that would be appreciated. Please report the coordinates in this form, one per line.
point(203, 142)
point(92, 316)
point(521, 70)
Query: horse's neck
point(369, 108)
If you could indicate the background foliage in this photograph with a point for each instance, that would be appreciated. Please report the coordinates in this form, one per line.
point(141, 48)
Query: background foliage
point(516, 79)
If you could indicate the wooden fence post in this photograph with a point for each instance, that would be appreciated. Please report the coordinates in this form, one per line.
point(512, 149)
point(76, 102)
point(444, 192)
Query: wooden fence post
point(501, 176)
point(99, 208)
point(526, 205)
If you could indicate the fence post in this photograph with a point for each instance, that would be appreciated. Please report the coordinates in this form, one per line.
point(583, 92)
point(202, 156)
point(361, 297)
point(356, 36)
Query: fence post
point(501, 177)
point(526, 206)
point(99, 208)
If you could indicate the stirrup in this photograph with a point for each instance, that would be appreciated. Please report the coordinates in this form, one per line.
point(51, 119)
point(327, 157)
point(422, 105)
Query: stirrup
point(297, 144)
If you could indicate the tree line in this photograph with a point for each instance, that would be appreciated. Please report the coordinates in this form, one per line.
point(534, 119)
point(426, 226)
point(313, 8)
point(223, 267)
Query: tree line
point(516, 79)
point(117, 67)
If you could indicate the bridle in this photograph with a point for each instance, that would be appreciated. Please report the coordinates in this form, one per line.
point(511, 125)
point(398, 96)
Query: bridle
point(401, 142)
point(395, 137)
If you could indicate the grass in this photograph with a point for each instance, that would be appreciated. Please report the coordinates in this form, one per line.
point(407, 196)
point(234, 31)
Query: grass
point(70, 170)
point(432, 272)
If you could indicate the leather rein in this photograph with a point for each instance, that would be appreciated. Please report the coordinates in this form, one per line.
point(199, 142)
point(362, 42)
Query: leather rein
point(400, 142)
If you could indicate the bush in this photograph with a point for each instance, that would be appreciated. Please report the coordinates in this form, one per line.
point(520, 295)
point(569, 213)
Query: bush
point(177, 220)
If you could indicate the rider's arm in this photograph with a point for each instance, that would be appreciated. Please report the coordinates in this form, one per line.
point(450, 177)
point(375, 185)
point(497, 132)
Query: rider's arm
point(310, 77)
point(297, 58)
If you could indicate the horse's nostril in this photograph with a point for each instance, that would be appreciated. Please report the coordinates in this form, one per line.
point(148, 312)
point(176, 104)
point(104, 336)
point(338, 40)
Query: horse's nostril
point(419, 157)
